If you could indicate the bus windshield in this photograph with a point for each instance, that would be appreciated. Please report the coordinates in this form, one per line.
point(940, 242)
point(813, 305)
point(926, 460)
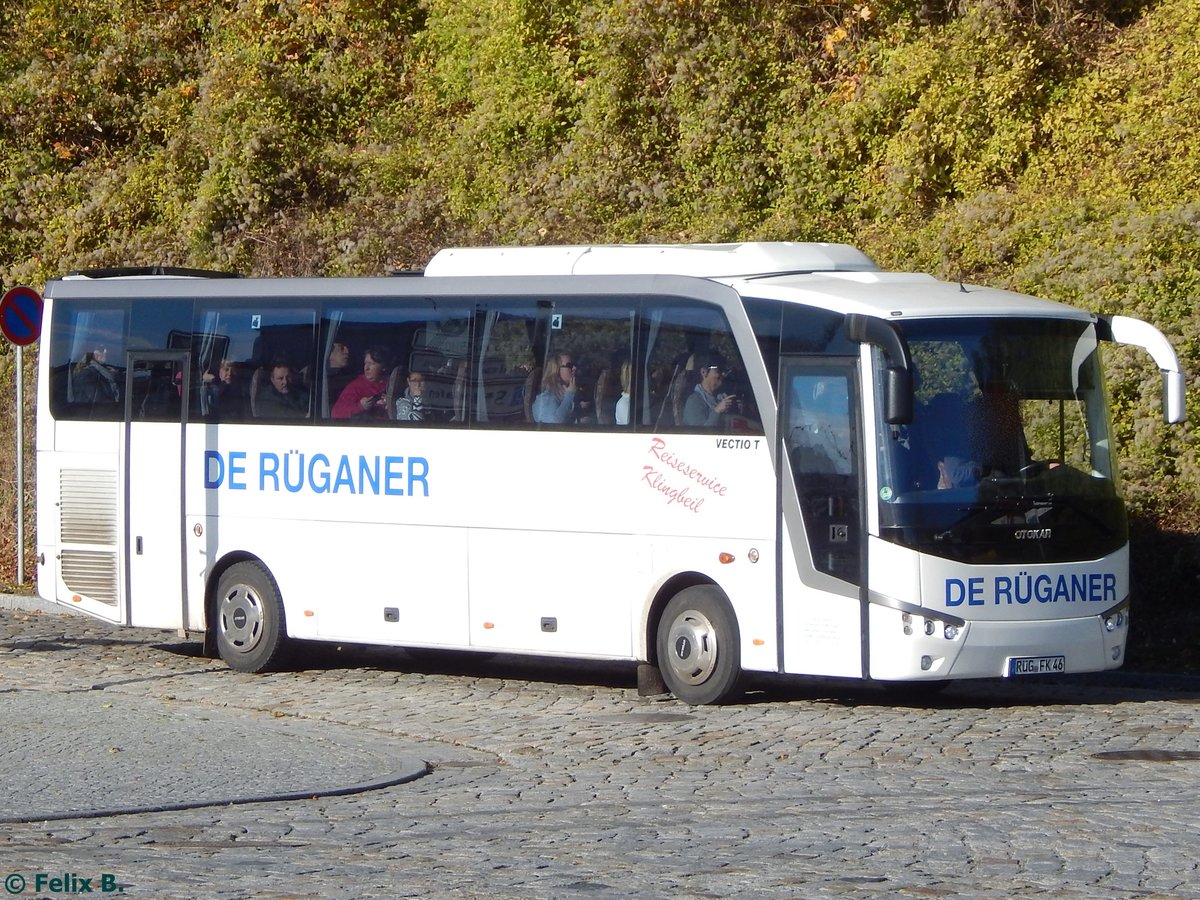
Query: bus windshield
point(1009, 456)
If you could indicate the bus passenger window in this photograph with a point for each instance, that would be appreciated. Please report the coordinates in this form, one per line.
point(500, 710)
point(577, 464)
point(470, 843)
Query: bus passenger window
point(695, 377)
point(586, 347)
point(236, 346)
point(87, 357)
point(371, 348)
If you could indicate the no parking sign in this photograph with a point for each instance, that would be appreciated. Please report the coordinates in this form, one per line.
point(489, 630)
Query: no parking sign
point(21, 315)
point(21, 323)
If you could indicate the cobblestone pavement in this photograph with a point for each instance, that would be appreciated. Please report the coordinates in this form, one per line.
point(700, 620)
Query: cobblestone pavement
point(552, 780)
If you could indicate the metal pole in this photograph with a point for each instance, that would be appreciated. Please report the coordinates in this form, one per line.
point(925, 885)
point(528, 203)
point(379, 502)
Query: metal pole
point(20, 465)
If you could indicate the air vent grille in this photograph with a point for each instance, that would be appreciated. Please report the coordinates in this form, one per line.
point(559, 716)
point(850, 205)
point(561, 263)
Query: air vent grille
point(88, 516)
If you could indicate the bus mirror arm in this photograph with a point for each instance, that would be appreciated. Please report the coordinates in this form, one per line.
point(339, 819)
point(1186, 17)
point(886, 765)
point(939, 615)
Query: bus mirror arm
point(898, 381)
point(1135, 332)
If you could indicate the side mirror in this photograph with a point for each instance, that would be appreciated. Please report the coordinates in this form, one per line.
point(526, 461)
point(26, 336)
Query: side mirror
point(898, 380)
point(1174, 394)
point(1127, 330)
point(897, 396)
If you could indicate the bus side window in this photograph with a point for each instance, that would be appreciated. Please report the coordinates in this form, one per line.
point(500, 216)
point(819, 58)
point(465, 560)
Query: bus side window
point(87, 358)
point(551, 363)
point(696, 380)
point(587, 346)
point(511, 344)
point(422, 345)
point(232, 340)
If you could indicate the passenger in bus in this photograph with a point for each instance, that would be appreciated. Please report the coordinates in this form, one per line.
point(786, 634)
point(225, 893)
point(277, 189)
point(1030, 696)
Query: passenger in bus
point(225, 393)
point(94, 380)
point(338, 373)
point(621, 414)
point(283, 398)
point(941, 435)
point(410, 406)
point(705, 407)
point(555, 405)
point(365, 396)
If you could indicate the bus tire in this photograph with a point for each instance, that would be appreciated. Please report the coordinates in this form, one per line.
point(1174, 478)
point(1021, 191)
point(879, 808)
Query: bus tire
point(699, 651)
point(249, 623)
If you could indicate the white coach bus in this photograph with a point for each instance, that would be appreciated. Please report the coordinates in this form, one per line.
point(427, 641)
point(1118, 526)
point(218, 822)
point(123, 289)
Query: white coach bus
point(715, 459)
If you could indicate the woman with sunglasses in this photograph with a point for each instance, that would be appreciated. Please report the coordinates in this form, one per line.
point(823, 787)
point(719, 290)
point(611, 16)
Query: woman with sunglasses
point(555, 405)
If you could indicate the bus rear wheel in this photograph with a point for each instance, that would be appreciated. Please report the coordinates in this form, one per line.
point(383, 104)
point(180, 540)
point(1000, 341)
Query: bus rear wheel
point(699, 653)
point(249, 621)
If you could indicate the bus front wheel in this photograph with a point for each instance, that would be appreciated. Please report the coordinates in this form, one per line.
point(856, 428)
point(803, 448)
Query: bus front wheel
point(698, 646)
point(249, 618)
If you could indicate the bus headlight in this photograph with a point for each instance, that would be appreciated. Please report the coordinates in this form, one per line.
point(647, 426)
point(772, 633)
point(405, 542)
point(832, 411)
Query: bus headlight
point(950, 632)
point(1112, 623)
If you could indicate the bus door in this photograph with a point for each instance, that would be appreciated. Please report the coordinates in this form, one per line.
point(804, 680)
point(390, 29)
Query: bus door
point(151, 473)
point(821, 507)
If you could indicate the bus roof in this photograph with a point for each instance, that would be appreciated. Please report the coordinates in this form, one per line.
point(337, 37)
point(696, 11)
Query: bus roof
point(902, 295)
point(833, 276)
point(698, 260)
point(830, 276)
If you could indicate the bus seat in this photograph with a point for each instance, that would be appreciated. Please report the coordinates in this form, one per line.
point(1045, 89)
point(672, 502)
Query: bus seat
point(657, 411)
point(395, 379)
point(533, 383)
point(682, 385)
point(460, 393)
point(256, 382)
point(605, 398)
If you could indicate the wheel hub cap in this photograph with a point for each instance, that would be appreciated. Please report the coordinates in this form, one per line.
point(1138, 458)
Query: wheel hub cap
point(241, 618)
point(693, 642)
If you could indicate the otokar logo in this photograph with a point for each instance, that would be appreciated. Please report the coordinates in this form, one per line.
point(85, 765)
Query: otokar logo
point(1032, 534)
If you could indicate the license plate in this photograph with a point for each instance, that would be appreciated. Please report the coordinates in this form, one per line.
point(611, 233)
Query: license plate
point(1037, 665)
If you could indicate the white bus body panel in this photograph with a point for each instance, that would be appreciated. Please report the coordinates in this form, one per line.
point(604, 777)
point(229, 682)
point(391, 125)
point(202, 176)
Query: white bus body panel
point(822, 626)
point(347, 533)
point(477, 561)
point(152, 536)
